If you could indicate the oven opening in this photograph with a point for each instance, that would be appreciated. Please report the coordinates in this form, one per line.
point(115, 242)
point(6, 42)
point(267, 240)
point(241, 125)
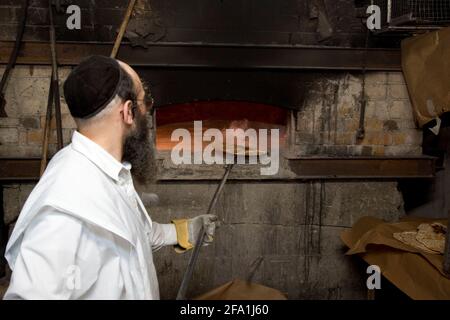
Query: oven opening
point(221, 115)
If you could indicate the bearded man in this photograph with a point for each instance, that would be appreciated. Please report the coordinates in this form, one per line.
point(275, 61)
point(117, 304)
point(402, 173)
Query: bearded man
point(84, 233)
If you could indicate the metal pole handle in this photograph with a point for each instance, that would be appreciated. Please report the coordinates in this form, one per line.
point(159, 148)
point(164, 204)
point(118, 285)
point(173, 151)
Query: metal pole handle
point(200, 239)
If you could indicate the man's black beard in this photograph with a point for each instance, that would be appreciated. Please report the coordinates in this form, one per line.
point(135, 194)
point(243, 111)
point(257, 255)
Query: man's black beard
point(138, 151)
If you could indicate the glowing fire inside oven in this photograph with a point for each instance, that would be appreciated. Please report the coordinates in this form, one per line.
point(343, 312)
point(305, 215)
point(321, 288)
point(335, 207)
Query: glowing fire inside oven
point(220, 115)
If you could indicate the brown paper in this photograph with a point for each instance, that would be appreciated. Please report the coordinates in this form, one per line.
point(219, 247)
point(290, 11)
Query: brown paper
point(242, 290)
point(418, 274)
point(426, 67)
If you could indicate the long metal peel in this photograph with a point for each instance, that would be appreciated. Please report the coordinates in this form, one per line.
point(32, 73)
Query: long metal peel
point(200, 239)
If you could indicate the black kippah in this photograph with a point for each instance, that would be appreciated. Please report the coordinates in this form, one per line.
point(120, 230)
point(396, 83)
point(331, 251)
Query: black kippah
point(92, 85)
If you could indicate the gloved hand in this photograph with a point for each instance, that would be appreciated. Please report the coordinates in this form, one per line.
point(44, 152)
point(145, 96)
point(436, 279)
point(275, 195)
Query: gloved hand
point(189, 229)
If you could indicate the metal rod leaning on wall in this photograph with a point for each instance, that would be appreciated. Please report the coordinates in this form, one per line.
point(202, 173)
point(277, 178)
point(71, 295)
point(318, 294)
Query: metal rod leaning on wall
point(447, 249)
point(55, 78)
point(181, 295)
point(47, 128)
point(123, 28)
point(3, 235)
point(446, 262)
point(13, 58)
point(363, 100)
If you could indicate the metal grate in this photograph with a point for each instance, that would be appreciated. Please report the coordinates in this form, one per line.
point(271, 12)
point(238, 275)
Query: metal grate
point(418, 11)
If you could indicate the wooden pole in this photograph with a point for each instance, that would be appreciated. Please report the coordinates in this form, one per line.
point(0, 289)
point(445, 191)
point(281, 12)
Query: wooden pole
point(123, 28)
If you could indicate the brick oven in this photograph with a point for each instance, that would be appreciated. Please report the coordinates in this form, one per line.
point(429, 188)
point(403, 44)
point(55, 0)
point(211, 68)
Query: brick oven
point(262, 78)
point(293, 219)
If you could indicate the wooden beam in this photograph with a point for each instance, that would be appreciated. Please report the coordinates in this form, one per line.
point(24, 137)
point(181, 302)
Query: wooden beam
point(364, 167)
point(17, 169)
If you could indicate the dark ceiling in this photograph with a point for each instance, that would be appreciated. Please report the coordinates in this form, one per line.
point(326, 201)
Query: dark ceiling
point(305, 22)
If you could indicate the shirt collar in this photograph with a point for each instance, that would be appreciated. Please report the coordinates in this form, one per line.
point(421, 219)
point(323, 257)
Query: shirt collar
point(99, 156)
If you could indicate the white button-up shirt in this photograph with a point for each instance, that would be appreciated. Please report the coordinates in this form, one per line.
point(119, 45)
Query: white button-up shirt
point(84, 233)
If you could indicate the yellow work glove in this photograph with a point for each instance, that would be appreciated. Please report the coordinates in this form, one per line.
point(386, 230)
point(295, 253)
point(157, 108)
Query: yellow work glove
point(189, 229)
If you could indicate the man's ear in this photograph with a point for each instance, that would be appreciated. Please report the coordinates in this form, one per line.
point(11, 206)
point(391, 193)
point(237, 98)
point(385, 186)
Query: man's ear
point(127, 112)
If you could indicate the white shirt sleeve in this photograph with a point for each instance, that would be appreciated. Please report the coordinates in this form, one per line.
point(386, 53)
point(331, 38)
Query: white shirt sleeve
point(163, 235)
point(49, 265)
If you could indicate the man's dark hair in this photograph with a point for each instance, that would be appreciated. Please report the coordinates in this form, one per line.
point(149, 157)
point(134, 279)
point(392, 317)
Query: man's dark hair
point(126, 89)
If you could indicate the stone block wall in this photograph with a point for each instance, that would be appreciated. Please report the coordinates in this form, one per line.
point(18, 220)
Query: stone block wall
point(21, 132)
point(329, 120)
